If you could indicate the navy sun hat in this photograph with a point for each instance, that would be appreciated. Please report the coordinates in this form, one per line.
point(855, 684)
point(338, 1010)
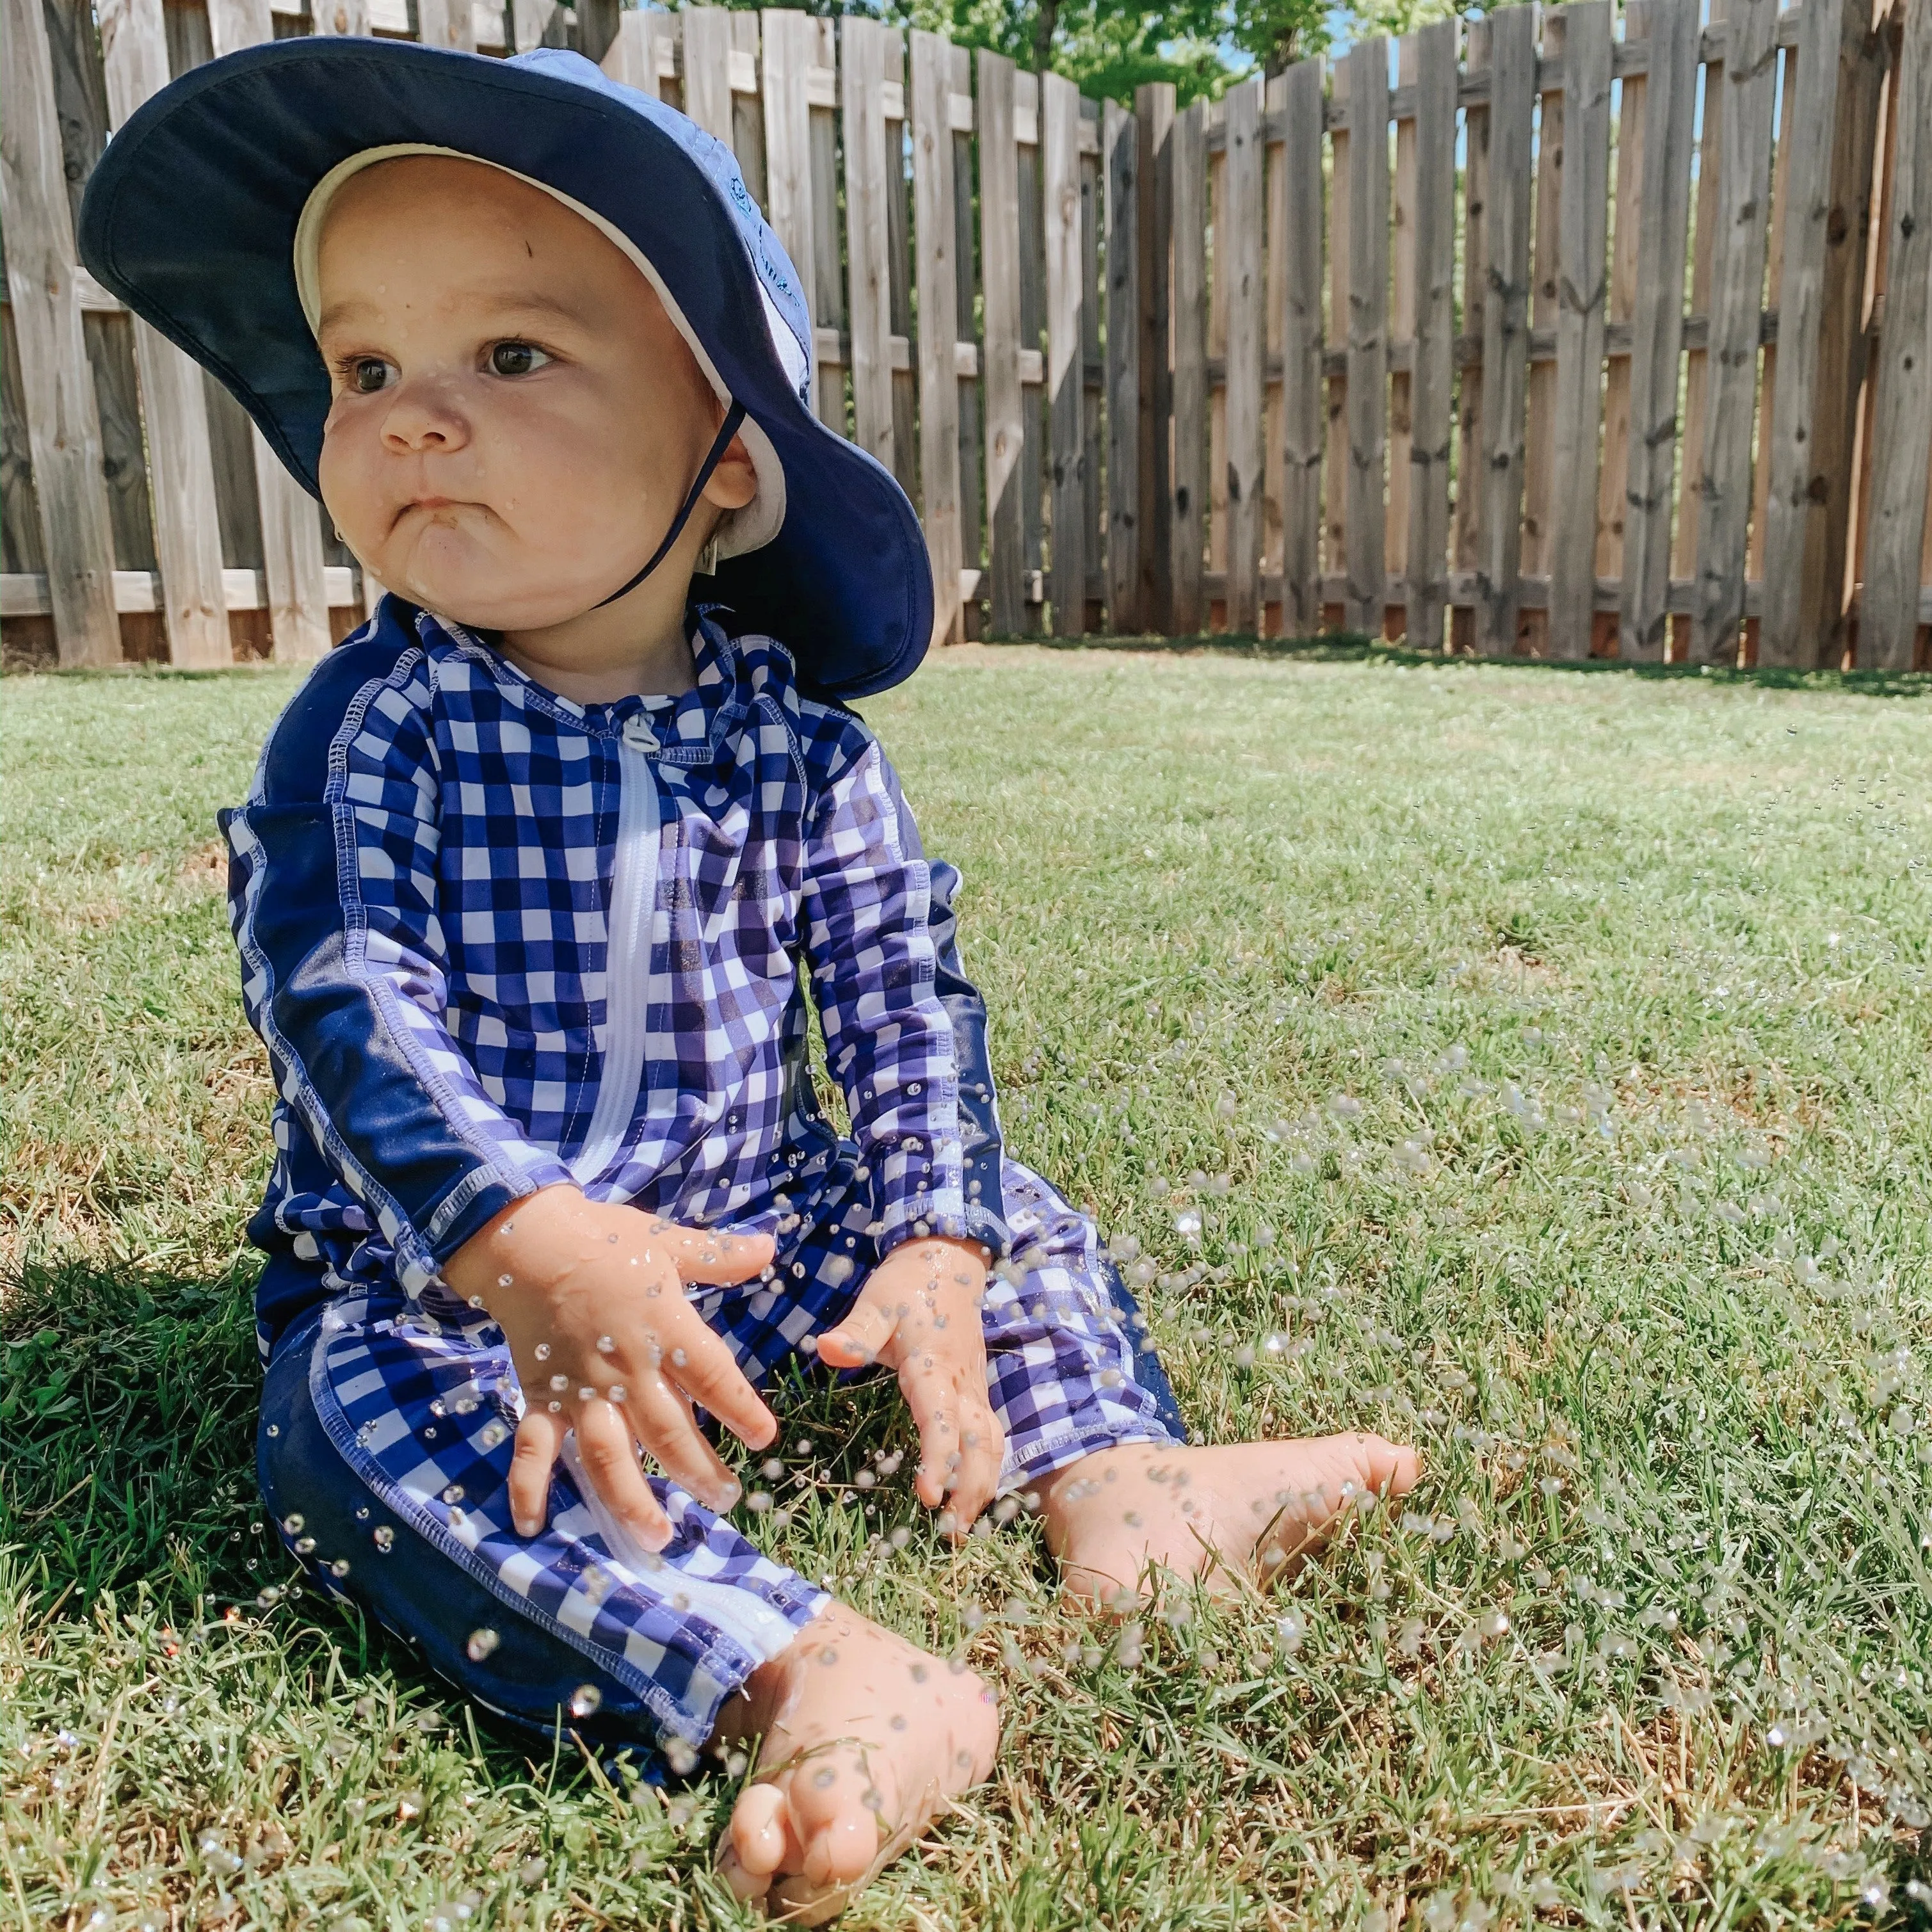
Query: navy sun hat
point(195, 218)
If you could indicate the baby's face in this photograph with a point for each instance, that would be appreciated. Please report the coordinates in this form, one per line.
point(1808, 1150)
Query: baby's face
point(514, 417)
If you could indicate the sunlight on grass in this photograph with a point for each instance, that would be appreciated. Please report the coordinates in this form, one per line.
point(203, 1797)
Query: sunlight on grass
point(1529, 1064)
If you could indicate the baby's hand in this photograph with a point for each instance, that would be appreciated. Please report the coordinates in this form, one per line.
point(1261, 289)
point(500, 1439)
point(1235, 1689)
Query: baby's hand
point(920, 1315)
point(590, 1296)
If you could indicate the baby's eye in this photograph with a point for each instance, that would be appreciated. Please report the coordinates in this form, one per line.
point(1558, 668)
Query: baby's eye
point(368, 374)
point(516, 358)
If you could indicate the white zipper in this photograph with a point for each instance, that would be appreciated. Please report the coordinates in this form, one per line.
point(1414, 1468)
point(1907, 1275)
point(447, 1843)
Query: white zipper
point(628, 948)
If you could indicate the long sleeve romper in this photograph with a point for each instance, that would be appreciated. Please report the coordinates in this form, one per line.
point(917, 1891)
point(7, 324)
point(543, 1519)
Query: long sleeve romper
point(494, 940)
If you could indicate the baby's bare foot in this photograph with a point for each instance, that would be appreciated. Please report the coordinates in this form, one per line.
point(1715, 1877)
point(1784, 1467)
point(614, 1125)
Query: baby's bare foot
point(866, 1739)
point(1246, 1509)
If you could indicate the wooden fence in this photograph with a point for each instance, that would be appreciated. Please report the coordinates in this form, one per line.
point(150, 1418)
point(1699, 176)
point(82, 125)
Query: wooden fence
point(1356, 347)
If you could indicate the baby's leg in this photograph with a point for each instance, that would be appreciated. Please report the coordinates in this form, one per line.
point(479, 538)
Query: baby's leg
point(1091, 1431)
point(385, 1452)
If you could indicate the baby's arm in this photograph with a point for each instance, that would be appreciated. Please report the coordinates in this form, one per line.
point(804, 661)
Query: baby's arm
point(335, 899)
point(884, 974)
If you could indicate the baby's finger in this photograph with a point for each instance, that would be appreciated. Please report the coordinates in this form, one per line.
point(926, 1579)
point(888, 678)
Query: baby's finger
point(930, 1396)
point(714, 1260)
point(710, 1374)
point(981, 1449)
point(539, 1436)
point(856, 1341)
point(610, 1462)
point(664, 1423)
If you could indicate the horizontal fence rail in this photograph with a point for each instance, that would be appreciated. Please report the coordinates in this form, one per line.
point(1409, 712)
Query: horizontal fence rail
point(1567, 333)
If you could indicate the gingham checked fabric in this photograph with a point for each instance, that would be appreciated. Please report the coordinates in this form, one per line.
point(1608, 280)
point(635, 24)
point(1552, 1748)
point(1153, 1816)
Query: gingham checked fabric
point(421, 1398)
point(422, 891)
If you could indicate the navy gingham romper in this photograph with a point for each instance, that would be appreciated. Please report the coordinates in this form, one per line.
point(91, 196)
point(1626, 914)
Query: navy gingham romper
point(495, 941)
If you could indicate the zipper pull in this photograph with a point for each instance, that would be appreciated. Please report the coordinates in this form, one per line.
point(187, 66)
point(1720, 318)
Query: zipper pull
point(638, 734)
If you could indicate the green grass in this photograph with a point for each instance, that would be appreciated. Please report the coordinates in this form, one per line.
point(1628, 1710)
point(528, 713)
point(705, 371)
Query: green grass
point(1632, 1241)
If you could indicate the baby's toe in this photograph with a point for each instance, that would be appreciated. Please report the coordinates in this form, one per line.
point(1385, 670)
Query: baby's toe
point(838, 1829)
point(758, 1834)
point(1391, 1469)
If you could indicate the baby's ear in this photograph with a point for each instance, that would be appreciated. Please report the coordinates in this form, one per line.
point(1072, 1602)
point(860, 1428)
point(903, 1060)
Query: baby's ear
point(734, 483)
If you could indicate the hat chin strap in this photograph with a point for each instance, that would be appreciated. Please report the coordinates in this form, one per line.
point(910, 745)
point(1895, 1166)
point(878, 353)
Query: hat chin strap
point(733, 417)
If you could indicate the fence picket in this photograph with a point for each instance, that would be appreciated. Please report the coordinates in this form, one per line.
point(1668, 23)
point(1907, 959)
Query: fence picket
point(865, 48)
point(1737, 279)
point(1581, 290)
point(1614, 476)
point(1189, 141)
point(707, 69)
point(1895, 523)
point(1431, 366)
point(1656, 328)
point(1033, 335)
point(1539, 432)
point(1468, 517)
point(1066, 379)
point(965, 328)
point(934, 236)
point(1300, 273)
point(1366, 321)
point(1154, 121)
point(63, 417)
point(1401, 332)
point(1790, 511)
point(1237, 253)
point(1506, 215)
point(188, 516)
point(1093, 373)
point(999, 366)
point(1119, 146)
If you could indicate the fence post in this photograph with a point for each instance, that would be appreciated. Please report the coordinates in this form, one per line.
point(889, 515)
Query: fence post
point(291, 561)
point(1120, 153)
point(1238, 230)
point(1737, 279)
point(1582, 289)
point(1188, 498)
point(1902, 417)
point(1506, 214)
point(1302, 382)
point(188, 521)
point(1432, 365)
point(1364, 492)
point(934, 232)
point(1154, 121)
point(63, 418)
point(1066, 379)
point(1000, 362)
point(1658, 327)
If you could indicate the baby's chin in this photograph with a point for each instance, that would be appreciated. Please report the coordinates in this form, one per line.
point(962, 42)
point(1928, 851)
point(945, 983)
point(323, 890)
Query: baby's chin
point(462, 582)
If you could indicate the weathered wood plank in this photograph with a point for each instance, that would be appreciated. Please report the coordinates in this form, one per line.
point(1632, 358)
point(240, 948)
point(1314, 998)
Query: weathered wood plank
point(1119, 147)
point(1581, 290)
point(1302, 425)
point(1863, 57)
point(1033, 337)
point(899, 259)
point(1791, 510)
point(20, 547)
point(1737, 278)
point(866, 51)
point(825, 272)
point(63, 419)
point(999, 352)
point(449, 23)
point(1153, 123)
point(1613, 477)
point(1781, 186)
point(1469, 497)
point(1365, 80)
point(1506, 216)
point(934, 237)
point(1335, 366)
point(1432, 372)
point(1237, 247)
point(1402, 319)
point(1657, 327)
point(1539, 429)
point(791, 44)
point(966, 329)
point(188, 520)
point(1187, 516)
point(1217, 369)
point(707, 69)
point(291, 537)
point(1093, 371)
point(1065, 379)
point(1902, 438)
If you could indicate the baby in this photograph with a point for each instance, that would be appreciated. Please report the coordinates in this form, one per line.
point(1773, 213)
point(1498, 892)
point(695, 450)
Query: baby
point(541, 876)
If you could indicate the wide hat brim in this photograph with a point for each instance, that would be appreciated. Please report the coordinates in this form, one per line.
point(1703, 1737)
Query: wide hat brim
point(190, 218)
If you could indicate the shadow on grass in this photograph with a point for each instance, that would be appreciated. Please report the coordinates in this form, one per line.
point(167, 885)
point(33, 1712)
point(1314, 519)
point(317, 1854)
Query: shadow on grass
point(1340, 647)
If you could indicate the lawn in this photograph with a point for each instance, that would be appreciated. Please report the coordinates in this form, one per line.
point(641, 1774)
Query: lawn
point(1529, 1062)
